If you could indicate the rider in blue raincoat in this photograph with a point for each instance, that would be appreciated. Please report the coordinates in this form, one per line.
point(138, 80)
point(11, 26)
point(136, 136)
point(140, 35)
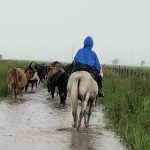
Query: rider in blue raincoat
point(87, 60)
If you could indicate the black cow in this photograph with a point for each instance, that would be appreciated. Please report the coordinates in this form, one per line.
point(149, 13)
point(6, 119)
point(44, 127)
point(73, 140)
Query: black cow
point(68, 68)
point(60, 80)
point(58, 77)
point(42, 71)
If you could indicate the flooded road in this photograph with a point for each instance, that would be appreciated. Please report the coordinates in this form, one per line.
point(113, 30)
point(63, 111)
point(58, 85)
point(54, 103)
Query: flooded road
point(39, 123)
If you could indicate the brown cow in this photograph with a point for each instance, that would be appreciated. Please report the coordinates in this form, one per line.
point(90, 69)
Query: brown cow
point(34, 80)
point(18, 79)
point(29, 74)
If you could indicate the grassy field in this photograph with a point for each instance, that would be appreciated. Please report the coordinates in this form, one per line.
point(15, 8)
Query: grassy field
point(127, 105)
point(5, 65)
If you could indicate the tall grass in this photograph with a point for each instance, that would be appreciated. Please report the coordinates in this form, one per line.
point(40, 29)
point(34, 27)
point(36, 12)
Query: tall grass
point(5, 65)
point(127, 104)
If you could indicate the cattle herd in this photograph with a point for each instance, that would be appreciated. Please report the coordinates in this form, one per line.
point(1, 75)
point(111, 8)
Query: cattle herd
point(55, 75)
point(79, 85)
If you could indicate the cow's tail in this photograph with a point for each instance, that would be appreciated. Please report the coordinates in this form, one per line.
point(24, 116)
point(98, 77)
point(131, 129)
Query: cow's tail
point(30, 65)
point(16, 81)
point(74, 97)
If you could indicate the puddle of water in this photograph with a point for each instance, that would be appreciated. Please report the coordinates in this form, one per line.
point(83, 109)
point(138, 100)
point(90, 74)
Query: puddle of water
point(40, 123)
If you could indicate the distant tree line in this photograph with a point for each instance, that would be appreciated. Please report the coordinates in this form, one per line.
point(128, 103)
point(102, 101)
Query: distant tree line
point(116, 62)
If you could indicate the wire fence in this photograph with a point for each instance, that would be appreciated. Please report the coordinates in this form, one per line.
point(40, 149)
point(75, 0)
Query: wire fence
point(129, 72)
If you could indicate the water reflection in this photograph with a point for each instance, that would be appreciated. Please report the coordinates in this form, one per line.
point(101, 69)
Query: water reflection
point(81, 140)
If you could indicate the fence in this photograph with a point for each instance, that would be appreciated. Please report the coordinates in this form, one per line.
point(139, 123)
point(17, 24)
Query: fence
point(129, 72)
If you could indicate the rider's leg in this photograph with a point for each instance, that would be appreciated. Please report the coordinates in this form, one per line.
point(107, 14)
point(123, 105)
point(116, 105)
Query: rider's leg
point(99, 81)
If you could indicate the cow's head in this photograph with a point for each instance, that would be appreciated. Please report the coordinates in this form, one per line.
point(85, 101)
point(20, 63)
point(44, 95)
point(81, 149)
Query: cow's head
point(29, 73)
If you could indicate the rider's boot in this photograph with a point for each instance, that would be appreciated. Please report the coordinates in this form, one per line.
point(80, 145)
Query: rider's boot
point(100, 86)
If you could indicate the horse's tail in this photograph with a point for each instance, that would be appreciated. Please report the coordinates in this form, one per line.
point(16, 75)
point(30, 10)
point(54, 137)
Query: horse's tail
point(74, 96)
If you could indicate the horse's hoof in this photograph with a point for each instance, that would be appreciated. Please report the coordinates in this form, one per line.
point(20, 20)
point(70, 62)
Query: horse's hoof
point(74, 125)
point(74, 129)
point(78, 129)
point(86, 125)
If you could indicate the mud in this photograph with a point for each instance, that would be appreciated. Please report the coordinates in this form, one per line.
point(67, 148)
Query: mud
point(37, 122)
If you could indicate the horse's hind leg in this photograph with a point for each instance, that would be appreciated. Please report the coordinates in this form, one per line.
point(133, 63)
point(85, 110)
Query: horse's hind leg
point(75, 118)
point(82, 113)
point(85, 115)
point(89, 114)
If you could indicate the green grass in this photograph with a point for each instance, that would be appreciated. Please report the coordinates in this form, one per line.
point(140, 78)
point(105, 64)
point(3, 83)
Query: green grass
point(127, 105)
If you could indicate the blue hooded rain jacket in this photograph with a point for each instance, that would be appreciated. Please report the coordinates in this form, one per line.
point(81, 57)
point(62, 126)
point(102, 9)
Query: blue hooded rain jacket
point(87, 57)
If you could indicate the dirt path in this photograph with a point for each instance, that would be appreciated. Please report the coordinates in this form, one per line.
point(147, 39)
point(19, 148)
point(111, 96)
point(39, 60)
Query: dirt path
point(39, 123)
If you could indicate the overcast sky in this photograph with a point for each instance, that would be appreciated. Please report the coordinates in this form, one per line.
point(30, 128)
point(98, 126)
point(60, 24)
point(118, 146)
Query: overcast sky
point(55, 29)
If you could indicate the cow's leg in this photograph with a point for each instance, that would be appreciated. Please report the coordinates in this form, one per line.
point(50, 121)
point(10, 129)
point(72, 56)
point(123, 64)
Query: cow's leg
point(61, 95)
point(36, 82)
point(32, 86)
point(20, 90)
point(26, 87)
point(52, 91)
point(48, 86)
point(15, 92)
point(64, 97)
point(10, 92)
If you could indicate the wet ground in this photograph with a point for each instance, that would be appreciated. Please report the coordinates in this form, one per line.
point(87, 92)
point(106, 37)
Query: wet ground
point(37, 122)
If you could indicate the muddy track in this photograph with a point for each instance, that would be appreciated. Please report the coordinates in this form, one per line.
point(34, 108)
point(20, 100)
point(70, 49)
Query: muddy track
point(37, 122)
